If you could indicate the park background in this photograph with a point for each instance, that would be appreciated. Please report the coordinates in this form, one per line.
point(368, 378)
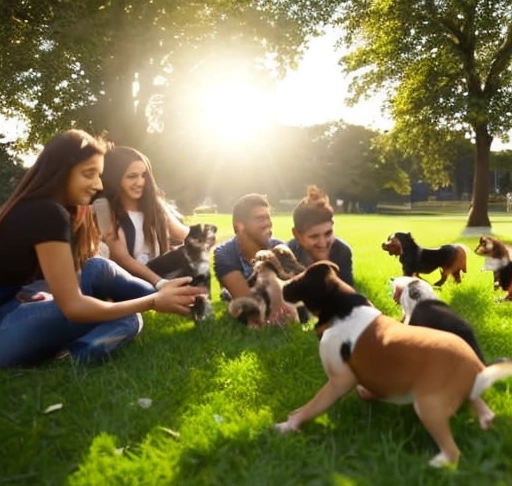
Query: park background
point(388, 104)
point(202, 87)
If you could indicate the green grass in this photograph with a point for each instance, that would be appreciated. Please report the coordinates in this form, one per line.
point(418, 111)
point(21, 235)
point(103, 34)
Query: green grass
point(217, 388)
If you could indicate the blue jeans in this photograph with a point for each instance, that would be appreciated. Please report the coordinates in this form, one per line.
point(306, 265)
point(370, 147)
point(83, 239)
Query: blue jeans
point(32, 332)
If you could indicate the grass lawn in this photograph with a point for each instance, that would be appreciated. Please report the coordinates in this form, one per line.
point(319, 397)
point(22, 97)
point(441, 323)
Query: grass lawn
point(216, 389)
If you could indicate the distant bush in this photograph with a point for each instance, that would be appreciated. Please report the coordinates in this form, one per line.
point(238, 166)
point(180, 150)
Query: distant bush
point(206, 209)
point(286, 205)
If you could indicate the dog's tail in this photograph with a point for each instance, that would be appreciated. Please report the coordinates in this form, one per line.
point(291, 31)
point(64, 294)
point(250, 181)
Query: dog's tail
point(489, 375)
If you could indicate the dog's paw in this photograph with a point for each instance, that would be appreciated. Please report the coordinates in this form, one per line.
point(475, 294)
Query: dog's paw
point(485, 420)
point(202, 309)
point(505, 298)
point(442, 460)
point(364, 394)
point(284, 427)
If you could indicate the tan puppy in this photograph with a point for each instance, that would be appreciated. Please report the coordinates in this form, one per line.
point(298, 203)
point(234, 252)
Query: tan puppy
point(272, 268)
point(436, 371)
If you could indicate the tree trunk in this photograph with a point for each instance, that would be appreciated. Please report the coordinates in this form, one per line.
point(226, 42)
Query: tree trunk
point(478, 213)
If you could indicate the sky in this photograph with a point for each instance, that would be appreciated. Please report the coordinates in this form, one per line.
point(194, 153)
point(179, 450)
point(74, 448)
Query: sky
point(312, 94)
point(315, 93)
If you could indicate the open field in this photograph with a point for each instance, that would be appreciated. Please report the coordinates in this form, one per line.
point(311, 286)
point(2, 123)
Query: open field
point(216, 390)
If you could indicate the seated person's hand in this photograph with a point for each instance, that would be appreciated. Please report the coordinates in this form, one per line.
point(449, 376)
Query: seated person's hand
point(177, 296)
point(26, 296)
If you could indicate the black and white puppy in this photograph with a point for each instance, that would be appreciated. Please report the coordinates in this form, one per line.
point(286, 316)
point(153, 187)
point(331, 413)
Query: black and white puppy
point(421, 306)
point(191, 259)
point(271, 269)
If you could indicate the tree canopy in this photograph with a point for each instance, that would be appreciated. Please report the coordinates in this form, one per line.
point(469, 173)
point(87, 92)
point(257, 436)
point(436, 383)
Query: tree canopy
point(446, 70)
point(136, 69)
point(112, 65)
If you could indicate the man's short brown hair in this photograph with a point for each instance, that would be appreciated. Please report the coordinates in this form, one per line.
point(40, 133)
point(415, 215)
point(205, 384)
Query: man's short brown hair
point(245, 204)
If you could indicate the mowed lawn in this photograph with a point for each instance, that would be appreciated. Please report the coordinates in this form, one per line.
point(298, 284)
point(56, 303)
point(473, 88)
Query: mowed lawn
point(214, 390)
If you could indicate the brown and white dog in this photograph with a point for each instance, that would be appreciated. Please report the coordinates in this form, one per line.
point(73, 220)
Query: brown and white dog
point(498, 260)
point(272, 268)
point(450, 259)
point(436, 371)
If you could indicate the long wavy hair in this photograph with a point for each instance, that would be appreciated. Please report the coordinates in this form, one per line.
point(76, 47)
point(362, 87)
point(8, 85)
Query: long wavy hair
point(117, 161)
point(47, 177)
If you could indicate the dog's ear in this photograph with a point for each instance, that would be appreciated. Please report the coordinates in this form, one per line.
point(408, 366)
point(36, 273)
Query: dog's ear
point(289, 263)
point(313, 278)
point(414, 291)
point(326, 263)
point(194, 231)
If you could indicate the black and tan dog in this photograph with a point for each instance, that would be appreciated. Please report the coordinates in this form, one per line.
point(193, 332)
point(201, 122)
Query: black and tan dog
point(191, 259)
point(450, 259)
point(436, 371)
point(497, 259)
point(272, 268)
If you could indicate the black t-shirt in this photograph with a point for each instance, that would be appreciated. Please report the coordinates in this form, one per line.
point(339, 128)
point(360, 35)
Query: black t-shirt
point(29, 223)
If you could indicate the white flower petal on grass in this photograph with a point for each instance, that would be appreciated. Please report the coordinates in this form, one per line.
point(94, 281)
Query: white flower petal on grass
point(144, 402)
point(218, 418)
point(53, 408)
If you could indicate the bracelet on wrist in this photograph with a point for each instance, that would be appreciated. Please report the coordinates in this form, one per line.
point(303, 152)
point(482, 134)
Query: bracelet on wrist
point(161, 283)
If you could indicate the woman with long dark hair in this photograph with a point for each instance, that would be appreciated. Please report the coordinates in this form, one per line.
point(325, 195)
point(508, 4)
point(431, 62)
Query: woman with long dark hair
point(143, 224)
point(47, 233)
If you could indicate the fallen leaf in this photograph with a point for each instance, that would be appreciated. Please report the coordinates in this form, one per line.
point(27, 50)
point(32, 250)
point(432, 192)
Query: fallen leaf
point(53, 408)
point(171, 432)
point(144, 402)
